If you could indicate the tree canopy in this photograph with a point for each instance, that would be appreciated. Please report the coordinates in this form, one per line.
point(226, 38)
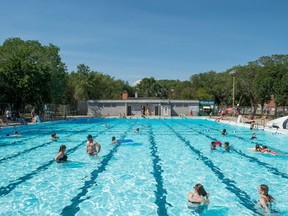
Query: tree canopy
point(31, 73)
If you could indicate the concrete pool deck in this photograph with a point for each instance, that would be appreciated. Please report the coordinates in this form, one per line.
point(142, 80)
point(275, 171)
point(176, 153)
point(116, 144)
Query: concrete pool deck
point(233, 121)
point(227, 120)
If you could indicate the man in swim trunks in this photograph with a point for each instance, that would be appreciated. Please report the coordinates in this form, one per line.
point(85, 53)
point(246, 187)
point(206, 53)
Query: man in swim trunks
point(92, 146)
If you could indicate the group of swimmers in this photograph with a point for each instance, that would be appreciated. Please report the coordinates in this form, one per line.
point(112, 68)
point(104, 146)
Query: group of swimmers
point(218, 143)
point(200, 196)
point(258, 148)
point(93, 148)
point(15, 133)
point(264, 149)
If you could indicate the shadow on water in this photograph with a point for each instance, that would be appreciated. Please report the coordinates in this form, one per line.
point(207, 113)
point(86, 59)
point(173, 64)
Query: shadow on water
point(219, 211)
point(72, 164)
point(132, 144)
point(204, 210)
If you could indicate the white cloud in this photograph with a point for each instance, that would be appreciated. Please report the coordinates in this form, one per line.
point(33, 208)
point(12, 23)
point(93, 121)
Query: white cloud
point(136, 82)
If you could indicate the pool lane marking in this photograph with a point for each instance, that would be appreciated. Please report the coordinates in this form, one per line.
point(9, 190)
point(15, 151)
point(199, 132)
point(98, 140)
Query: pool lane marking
point(272, 169)
point(244, 198)
point(73, 208)
point(25, 151)
point(15, 143)
point(160, 192)
point(19, 142)
point(7, 189)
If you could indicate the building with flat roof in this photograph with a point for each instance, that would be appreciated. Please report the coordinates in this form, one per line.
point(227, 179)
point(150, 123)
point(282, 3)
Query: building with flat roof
point(135, 106)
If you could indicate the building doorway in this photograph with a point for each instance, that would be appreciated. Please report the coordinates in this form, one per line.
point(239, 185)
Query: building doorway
point(129, 112)
point(156, 110)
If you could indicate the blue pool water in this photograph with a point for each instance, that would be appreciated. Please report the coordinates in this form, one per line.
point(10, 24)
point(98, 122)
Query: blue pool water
point(150, 173)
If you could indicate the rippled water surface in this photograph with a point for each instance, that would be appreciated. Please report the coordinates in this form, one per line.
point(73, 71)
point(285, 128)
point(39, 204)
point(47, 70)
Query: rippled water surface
point(148, 173)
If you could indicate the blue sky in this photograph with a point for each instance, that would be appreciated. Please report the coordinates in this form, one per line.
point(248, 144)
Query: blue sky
point(164, 39)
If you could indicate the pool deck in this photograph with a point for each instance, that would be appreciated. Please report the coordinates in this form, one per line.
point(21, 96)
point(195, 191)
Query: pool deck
point(233, 121)
point(227, 120)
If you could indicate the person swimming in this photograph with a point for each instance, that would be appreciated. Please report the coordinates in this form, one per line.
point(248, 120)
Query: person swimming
point(16, 133)
point(258, 148)
point(224, 132)
point(213, 145)
point(198, 196)
point(61, 156)
point(227, 147)
point(265, 200)
point(265, 149)
point(54, 136)
point(253, 136)
point(114, 140)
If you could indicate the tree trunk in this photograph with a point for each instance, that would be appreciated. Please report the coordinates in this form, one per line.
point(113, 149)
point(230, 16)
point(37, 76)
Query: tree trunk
point(262, 107)
point(276, 111)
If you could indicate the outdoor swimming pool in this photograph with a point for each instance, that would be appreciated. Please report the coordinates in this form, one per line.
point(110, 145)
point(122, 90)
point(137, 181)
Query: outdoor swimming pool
point(149, 176)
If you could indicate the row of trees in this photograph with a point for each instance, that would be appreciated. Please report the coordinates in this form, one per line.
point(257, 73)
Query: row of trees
point(255, 83)
point(31, 73)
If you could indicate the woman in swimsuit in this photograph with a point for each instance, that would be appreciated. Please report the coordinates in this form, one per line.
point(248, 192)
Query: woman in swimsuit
point(265, 199)
point(61, 156)
point(198, 196)
point(91, 146)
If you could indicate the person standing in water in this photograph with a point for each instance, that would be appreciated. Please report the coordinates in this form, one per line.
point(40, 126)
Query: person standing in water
point(198, 196)
point(61, 156)
point(265, 199)
point(92, 147)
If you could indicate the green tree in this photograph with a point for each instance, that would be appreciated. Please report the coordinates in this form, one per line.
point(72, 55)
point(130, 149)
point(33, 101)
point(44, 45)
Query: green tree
point(30, 73)
point(263, 84)
point(148, 87)
point(86, 84)
point(213, 85)
point(275, 70)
